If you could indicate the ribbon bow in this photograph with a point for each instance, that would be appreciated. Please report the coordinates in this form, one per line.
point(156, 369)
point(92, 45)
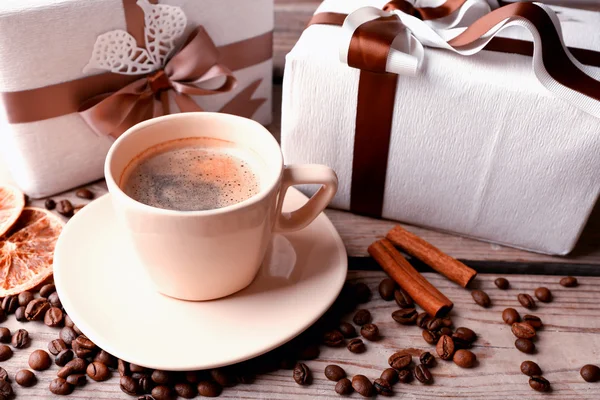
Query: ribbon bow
point(195, 64)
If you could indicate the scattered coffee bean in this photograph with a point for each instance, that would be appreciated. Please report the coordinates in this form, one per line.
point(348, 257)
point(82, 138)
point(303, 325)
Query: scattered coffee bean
point(523, 330)
point(24, 298)
point(301, 374)
point(466, 334)
point(405, 316)
point(422, 374)
point(77, 379)
point(590, 373)
point(5, 335)
point(6, 390)
point(530, 368)
point(422, 320)
point(36, 309)
point(129, 385)
point(403, 299)
point(525, 346)
point(390, 375)
point(83, 347)
point(77, 365)
point(54, 317)
point(363, 293)
point(84, 194)
point(39, 360)
point(145, 383)
point(68, 321)
point(164, 378)
point(370, 332)
point(387, 288)
point(56, 346)
point(427, 359)
point(186, 390)
point(192, 376)
point(5, 352)
point(222, 376)
point(47, 290)
point(435, 324)
point(64, 207)
point(430, 337)
point(50, 204)
point(400, 360)
point(526, 300)
point(481, 298)
point(209, 389)
point(444, 330)
point(405, 376)
point(344, 387)
point(10, 304)
point(383, 387)
point(334, 372)
point(464, 358)
point(445, 347)
point(20, 314)
point(348, 330)
point(63, 357)
point(333, 338)
point(25, 378)
point(501, 283)
point(60, 387)
point(3, 374)
point(123, 367)
point(356, 346)
point(510, 316)
point(362, 385)
point(569, 281)
point(20, 339)
point(539, 384)
point(543, 294)
point(308, 352)
point(162, 393)
point(139, 369)
point(534, 321)
point(54, 300)
point(106, 358)
point(362, 317)
point(98, 371)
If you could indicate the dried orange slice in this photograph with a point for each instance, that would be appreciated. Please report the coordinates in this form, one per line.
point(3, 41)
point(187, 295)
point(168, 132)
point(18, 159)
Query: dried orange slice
point(27, 251)
point(12, 202)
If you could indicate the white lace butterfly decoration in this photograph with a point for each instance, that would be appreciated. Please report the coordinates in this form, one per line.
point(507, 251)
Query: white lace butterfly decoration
point(116, 51)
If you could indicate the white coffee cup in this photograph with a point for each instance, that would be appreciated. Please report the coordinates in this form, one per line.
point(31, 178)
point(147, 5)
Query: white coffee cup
point(203, 255)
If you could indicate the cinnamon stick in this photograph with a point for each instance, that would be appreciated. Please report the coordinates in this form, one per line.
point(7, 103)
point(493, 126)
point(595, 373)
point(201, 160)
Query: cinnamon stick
point(450, 267)
point(422, 292)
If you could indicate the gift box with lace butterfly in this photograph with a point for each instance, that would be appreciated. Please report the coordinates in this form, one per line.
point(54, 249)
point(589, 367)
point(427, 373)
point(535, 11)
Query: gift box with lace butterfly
point(466, 116)
point(74, 75)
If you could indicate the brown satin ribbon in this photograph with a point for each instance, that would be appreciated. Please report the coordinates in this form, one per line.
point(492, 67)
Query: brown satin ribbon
point(425, 13)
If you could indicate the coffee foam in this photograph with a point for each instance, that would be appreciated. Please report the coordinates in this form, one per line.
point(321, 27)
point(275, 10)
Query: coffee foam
point(192, 175)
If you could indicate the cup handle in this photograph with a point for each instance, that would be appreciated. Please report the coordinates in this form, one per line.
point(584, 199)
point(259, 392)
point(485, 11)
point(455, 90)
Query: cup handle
point(299, 175)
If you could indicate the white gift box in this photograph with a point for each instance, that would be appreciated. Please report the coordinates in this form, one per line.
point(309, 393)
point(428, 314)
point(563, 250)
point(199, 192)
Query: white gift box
point(48, 42)
point(478, 146)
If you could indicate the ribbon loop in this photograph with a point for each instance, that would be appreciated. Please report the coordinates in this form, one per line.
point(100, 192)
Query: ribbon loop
point(159, 81)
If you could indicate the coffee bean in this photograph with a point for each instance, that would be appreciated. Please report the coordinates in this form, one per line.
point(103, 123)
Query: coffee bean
point(523, 330)
point(68, 321)
point(6, 390)
point(445, 347)
point(77, 365)
point(64, 207)
point(356, 346)
point(526, 300)
point(54, 300)
point(137, 375)
point(501, 283)
point(403, 299)
point(24, 298)
point(68, 335)
point(106, 358)
point(347, 330)
point(25, 378)
point(590, 373)
point(525, 346)
point(344, 387)
point(530, 368)
point(405, 376)
point(162, 393)
point(481, 298)
point(39, 360)
point(427, 359)
point(390, 375)
point(77, 379)
point(534, 321)
point(464, 358)
point(301, 374)
point(56, 346)
point(422, 374)
point(84, 194)
point(192, 376)
point(466, 334)
point(430, 337)
point(139, 369)
point(3, 374)
point(10, 304)
point(387, 288)
point(50, 204)
point(164, 378)
point(60, 387)
point(383, 387)
point(435, 324)
point(5, 352)
point(83, 347)
point(510, 316)
point(447, 322)
point(543, 294)
point(5, 335)
point(287, 363)
point(54, 317)
point(362, 317)
point(370, 332)
point(362, 292)
point(333, 338)
point(146, 397)
point(20, 314)
point(222, 376)
point(334, 372)
point(209, 389)
point(145, 383)
point(63, 357)
point(362, 385)
point(129, 385)
point(405, 316)
point(539, 384)
point(98, 371)
point(569, 281)
point(123, 367)
point(186, 390)
point(20, 339)
point(422, 320)
point(47, 290)
point(400, 360)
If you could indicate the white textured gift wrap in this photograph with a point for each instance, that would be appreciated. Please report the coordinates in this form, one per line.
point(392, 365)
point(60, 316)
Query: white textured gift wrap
point(45, 42)
point(479, 147)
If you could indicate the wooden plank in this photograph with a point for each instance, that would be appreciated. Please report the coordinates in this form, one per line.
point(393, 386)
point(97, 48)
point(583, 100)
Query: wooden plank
point(570, 339)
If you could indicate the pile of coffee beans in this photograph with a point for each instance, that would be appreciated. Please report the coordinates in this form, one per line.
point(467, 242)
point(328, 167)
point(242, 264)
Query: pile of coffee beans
point(65, 207)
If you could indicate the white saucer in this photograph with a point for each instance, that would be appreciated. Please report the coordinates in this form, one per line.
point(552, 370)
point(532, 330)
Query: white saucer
point(107, 295)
